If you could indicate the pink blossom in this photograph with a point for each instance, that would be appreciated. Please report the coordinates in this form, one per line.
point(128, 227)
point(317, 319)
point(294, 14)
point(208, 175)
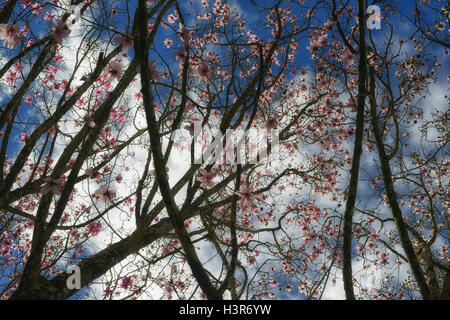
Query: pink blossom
point(314, 46)
point(48, 16)
point(36, 8)
point(180, 285)
point(384, 258)
point(10, 35)
point(105, 194)
point(206, 179)
point(168, 42)
point(171, 18)
point(23, 137)
point(92, 174)
point(26, 3)
point(273, 283)
point(60, 32)
point(108, 292)
point(11, 78)
point(94, 228)
point(113, 71)
point(189, 106)
point(370, 147)
point(52, 185)
point(272, 123)
point(204, 72)
point(28, 100)
point(251, 259)
point(127, 282)
point(18, 67)
point(247, 195)
point(360, 248)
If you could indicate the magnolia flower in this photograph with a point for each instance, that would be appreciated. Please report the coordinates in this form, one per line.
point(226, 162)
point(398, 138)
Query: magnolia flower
point(60, 32)
point(272, 123)
point(247, 195)
point(108, 292)
point(28, 100)
point(384, 258)
point(91, 173)
point(119, 178)
point(10, 35)
point(206, 179)
point(251, 259)
point(105, 194)
point(204, 72)
point(127, 282)
point(23, 137)
point(52, 185)
point(125, 41)
point(94, 228)
point(113, 71)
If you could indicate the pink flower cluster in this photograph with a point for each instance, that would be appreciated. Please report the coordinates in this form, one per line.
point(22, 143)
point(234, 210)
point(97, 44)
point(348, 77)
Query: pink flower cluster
point(94, 228)
point(10, 35)
point(206, 179)
point(52, 185)
point(105, 194)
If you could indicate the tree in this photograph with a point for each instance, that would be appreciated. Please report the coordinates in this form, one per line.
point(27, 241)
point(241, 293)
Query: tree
point(390, 110)
point(172, 149)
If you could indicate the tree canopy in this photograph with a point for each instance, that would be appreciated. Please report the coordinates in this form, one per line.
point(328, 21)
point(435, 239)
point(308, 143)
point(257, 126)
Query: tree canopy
point(284, 149)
